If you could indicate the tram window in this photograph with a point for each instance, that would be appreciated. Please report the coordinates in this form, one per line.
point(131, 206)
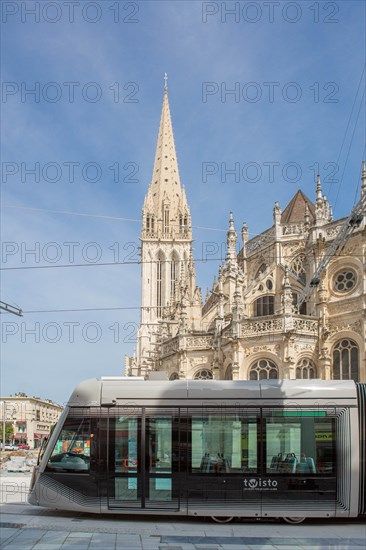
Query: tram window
point(225, 444)
point(303, 445)
point(159, 443)
point(71, 452)
point(124, 439)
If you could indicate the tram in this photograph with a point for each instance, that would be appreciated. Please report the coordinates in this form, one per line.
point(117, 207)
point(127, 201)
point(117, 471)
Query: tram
point(290, 449)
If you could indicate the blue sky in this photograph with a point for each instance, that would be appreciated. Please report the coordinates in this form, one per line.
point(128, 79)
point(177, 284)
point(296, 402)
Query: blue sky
point(310, 51)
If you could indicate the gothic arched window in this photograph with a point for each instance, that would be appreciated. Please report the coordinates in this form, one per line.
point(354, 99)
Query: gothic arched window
point(166, 220)
point(298, 267)
point(174, 376)
point(295, 300)
point(264, 306)
point(345, 280)
point(174, 269)
point(260, 270)
point(263, 369)
point(345, 360)
point(305, 369)
point(159, 282)
point(203, 374)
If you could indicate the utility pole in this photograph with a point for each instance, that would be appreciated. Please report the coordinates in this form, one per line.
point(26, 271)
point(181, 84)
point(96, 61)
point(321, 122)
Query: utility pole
point(15, 311)
point(4, 424)
point(11, 309)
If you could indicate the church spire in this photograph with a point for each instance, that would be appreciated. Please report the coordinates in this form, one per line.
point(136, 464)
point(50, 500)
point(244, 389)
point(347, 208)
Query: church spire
point(231, 238)
point(167, 266)
point(319, 194)
point(166, 200)
point(363, 179)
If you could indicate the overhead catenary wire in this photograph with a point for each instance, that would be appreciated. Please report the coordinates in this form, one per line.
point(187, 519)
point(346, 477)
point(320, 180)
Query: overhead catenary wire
point(100, 216)
point(346, 133)
point(359, 177)
point(253, 234)
point(81, 310)
point(140, 262)
point(349, 119)
point(349, 150)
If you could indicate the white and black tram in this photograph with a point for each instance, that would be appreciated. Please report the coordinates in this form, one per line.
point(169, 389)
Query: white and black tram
point(291, 449)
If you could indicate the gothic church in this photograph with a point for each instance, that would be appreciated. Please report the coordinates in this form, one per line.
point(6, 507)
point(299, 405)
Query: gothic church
point(249, 326)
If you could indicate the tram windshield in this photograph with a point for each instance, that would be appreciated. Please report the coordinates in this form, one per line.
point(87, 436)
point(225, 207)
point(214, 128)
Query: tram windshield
point(72, 448)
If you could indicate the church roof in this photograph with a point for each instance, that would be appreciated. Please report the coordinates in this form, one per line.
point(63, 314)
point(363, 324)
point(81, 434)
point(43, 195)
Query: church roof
point(295, 210)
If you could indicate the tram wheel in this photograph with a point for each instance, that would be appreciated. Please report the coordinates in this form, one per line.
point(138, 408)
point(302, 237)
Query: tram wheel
point(294, 521)
point(222, 519)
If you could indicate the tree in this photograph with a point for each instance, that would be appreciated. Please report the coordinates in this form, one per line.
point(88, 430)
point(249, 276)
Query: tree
point(8, 432)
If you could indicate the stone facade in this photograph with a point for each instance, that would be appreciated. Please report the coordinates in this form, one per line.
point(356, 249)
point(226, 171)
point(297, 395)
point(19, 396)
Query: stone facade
point(31, 418)
point(250, 325)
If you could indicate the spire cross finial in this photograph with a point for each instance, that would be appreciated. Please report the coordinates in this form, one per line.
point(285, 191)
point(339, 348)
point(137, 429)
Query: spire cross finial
point(165, 81)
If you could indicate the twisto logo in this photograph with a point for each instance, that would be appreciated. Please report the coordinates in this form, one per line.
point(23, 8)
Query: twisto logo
point(257, 483)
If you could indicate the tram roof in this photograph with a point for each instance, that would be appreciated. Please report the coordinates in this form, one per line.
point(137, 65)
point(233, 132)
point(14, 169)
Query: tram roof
point(122, 391)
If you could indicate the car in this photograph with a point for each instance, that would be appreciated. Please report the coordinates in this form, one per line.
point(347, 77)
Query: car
point(23, 446)
point(10, 447)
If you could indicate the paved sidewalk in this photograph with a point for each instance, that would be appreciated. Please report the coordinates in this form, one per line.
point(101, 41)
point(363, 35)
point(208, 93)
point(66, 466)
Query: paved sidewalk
point(25, 527)
point(37, 539)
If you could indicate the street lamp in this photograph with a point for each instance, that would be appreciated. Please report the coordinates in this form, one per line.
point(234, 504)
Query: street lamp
point(4, 424)
point(14, 417)
point(14, 424)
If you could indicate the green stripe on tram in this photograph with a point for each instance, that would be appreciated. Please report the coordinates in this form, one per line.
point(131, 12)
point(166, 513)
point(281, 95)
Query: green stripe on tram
point(299, 413)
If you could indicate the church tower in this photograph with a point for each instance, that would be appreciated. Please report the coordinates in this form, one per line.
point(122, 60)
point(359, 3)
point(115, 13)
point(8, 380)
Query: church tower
point(166, 243)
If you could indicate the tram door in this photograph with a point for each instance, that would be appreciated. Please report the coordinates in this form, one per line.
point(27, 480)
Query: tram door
point(143, 459)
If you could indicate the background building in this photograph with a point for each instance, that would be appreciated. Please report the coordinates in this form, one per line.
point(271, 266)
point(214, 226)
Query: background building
point(249, 326)
point(31, 418)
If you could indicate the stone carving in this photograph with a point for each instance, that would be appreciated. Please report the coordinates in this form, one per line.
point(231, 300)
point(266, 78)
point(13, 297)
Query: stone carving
point(197, 297)
point(169, 347)
point(349, 249)
point(332, 232)
point(199, 342)
point(304, 347)
point(324, 353)
point(255, 349)
point(356, 326)
point(195, 361)
point(256, 328)
point(258, 242)
point(306, 325)
point(292, 251)
point(293, 229)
